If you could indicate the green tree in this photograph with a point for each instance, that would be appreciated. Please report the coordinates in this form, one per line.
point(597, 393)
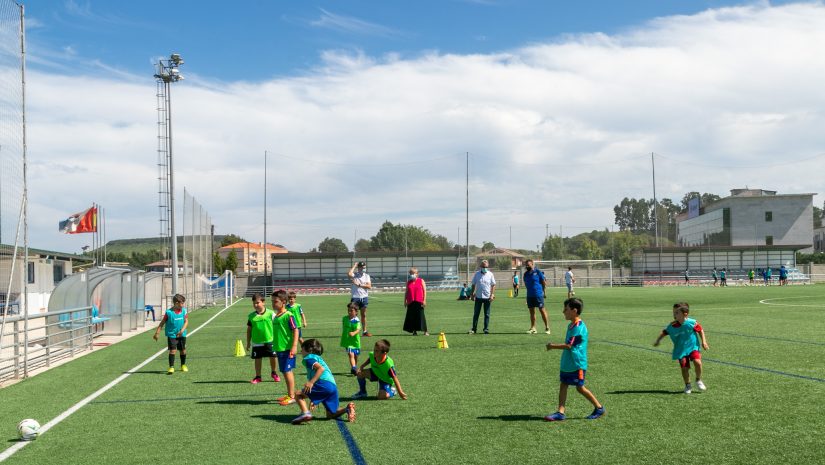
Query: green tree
point(231, 262)
point(487, 246)
point(589, 250)
point(332, 245)
point(624, 244)
point(817, 217)
point(363, 245)
point(551, 248)
point(230, 239)
point(392, 237)
point(503, 263)
point(218, 263)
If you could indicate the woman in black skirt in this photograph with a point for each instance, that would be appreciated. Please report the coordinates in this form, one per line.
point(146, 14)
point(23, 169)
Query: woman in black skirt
point(415, 299)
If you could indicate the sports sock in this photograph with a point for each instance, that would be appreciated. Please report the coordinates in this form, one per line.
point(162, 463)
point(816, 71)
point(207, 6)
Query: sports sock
point(362, 385)
point(171, 360)
point(183, 359)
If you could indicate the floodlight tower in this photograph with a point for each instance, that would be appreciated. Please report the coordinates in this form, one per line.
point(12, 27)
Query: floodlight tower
point(167, 73)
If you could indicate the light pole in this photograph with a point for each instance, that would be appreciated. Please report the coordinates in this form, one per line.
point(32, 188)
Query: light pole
point(167, 73)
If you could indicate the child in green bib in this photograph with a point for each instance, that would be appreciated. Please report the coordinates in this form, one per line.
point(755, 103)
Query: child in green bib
point(381, 370)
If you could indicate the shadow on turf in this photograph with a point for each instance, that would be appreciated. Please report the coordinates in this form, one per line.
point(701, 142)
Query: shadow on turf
point(239, 402)
point(513, 418)
point(228, 381)
point(645, 391)
point(147, 372)
point(276, 418)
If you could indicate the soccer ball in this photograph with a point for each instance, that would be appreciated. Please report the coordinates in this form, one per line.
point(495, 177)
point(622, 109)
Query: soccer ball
point(28, 429)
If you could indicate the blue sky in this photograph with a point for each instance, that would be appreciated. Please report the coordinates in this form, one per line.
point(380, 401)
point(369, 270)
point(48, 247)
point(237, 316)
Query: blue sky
point(368, 108)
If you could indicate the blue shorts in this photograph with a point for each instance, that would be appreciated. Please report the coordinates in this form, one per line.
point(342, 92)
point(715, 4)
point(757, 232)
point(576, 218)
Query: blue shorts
point(535, 302)
point(324, 392)
point(350, 350)
point(285, 362)
point(573, 378)
point(386, 387)
point(361, 302)
point(569, 286)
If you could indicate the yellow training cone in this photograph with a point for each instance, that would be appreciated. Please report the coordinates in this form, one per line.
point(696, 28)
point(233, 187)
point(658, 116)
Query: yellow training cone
point(239, 350)
point(442, 341)
point(511, 293)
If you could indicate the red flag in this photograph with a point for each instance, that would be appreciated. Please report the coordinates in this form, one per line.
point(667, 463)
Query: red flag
point(83, 222)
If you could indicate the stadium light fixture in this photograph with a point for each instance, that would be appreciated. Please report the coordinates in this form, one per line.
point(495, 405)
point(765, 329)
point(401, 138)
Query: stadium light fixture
point(167, 73)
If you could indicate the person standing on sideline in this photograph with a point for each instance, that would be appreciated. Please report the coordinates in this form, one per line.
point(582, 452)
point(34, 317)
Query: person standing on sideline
point(687, 277)
point(535, 284)
point(482, 293)
point(715, 279)
point(515, 283)
point(176, 319)
point(415, 299)
point(569, 279)
point(361, 284)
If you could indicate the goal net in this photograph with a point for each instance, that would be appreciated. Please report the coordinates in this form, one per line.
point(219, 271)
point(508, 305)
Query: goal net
point(588, 273)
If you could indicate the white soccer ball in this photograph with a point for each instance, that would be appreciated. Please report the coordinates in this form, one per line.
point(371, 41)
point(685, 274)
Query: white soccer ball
point(28, 429)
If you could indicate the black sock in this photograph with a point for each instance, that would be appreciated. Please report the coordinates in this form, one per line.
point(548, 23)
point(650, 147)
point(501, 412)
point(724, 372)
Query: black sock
point(183, 358)
point(171, 360)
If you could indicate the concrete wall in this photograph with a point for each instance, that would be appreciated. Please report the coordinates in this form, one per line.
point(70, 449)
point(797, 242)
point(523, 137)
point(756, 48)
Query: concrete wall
point(791, 222)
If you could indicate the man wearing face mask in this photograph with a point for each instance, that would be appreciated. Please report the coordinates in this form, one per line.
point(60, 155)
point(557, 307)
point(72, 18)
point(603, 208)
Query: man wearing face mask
point(534, 282)
point(483, 293)
point(361, 284)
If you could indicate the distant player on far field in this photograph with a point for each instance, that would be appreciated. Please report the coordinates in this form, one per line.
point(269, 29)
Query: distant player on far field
point(569, 279)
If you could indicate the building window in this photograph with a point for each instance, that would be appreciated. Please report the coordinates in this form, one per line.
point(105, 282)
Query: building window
point(30, 273)
point(768, 240)
point(58, 272)
point(768, 216)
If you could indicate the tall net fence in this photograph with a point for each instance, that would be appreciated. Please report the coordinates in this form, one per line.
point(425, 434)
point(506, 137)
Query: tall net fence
point(197, 282)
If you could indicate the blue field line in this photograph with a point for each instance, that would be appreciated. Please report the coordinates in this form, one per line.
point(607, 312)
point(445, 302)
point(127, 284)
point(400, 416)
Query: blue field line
point(727, 333)
point(722, 362)
point(354, 451)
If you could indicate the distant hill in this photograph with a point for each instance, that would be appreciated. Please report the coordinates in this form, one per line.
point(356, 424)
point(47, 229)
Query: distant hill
point(144, 245)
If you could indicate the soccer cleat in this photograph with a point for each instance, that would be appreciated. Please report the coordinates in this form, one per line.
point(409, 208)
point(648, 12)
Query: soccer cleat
point(170, 371)
point(367, 334)
point(286, 400)
point(275, 377)
point(302, 418)
point(472, 331)
point(688, 388)
point(353, 370)
point(701, 386)
point(351, 412)
point(359, 395)
point(184, 368)
point(256, 380)
point(546, 330)
point(558, 416)
point(486, 332)
point(531, 331)
point(596, 413)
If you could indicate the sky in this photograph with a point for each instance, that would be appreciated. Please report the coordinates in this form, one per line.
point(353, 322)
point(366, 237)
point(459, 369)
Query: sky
point(367, 111)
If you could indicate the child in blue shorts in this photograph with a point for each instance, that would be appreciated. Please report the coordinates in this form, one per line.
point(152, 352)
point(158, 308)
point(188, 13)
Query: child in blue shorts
point(686, 334)
point(574, 360)
point(351, 336)
point(320, 387)
point(381, 370)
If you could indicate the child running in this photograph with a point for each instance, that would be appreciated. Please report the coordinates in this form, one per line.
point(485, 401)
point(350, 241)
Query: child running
point(259, 336)
point(298, 312)
point(285, 343)
point(573, 361)
point(351, 335)
point(320, 387)
point(381, 370)
point(176, 319)
point(683, 332)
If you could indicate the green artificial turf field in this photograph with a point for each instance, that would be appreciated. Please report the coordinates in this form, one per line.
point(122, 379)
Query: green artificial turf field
point(480, 401)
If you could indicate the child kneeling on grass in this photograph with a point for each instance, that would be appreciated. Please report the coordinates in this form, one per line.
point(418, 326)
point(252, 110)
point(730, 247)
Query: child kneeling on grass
point(320, 387)
point(573, 360)
point(683, 331)
point(382, 370)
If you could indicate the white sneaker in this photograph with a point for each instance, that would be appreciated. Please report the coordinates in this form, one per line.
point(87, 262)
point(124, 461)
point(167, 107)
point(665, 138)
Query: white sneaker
point(531, 331)
point(547, 331)
point(688, 389)
point(701, 386)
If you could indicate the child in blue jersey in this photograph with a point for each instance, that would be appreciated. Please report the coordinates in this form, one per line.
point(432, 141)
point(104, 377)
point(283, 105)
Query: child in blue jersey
point(320, 387)
point(351, 335)
point(686, 334)
point(298, 312)
point(176, 319)
point(573, 361)
point(381, 370)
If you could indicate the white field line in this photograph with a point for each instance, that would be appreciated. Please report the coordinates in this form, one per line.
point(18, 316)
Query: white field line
point(74, 408)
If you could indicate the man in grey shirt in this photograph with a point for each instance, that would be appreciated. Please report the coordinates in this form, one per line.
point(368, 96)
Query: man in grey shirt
point(361, 283)
point(483, 293)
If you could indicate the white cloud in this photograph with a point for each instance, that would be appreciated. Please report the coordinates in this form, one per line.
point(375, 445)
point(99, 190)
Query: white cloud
point(353, 25)
point(558, 134)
